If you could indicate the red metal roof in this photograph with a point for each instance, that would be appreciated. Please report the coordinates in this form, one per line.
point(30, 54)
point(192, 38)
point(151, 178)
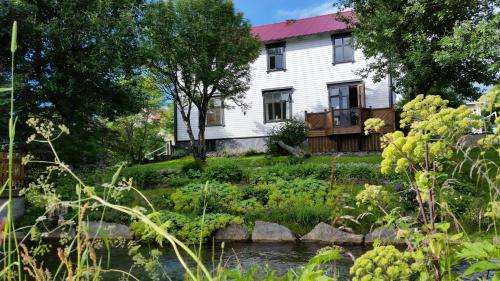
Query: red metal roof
point(301, 27)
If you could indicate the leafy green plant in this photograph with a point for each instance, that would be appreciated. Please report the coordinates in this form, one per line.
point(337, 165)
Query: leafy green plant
point(145, 178)
point(189, 229)
point(481, 256)
point(195, 166)
point(179, 153)
point(223, 172)
point(212, 198)
point(293, 133)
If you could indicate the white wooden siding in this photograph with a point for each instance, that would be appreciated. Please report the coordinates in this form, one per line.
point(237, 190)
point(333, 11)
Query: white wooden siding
point(309, 70)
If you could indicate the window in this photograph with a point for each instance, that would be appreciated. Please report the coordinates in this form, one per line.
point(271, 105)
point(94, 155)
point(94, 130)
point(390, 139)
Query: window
point(215, 113)
point(276, 57)
point(345, 101)
point(342, 49)
point(277, 105)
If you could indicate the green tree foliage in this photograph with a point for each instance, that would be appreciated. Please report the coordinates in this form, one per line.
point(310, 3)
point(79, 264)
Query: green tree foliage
point(134, 136)
point(131, 137)
point(200, 48)
point(76, 61)
point(429, 47)
point(168, 117)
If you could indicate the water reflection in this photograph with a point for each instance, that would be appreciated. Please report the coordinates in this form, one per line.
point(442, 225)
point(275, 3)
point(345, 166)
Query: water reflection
point(278, 256)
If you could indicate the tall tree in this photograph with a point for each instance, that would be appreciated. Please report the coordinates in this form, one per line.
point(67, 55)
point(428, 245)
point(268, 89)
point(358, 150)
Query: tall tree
point(76, 62)
point(444, 47)
point(201, 48)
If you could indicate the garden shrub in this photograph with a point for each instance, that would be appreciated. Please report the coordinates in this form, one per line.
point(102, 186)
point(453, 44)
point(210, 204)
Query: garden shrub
point(179, 153)
point(184, 227)
point(299, 220)
point(159, 198)
point(344, 172)
point(214, 197)
point(225, 171)
point(251, 152)
point(299, 204)
point(287, 172)
point(193, 169)
point(144, 177)
point(192, 165)
point(296, 193)
point(357, 171)
point(177, 180)
point(293, 132)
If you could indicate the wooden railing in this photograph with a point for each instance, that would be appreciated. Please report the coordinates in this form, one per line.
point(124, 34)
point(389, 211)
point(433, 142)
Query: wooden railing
point(346, 121)
point(18, 169)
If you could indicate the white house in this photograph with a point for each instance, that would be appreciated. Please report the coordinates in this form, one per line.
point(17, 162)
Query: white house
point(305, 65)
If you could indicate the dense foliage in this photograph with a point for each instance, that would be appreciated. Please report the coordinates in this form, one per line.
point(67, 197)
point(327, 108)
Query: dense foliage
point(199, 49)
point(133, 138)
point(444, 48)
point(187, 228)
point(72, 69)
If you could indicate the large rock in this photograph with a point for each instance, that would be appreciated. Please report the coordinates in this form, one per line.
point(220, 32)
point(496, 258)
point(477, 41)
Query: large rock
point(110, 230)
point(17, 207)
point(232, 232)
point(496, 240)
point(271, 232)
point(384, 235)
point(324, 233)
point(20, 236)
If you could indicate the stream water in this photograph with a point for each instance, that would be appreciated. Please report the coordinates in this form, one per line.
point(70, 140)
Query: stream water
point(280, 257)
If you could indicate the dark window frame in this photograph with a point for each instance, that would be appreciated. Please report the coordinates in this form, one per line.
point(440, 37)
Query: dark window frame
point(221, 108)
point(288, 104)
point(274, 46)
point(343, 46)
point(345, 113)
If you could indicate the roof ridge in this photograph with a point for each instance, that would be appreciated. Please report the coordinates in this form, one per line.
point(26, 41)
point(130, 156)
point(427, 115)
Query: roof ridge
point(296, 20)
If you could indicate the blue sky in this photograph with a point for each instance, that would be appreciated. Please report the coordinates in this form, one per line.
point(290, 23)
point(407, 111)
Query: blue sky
point(270, 11)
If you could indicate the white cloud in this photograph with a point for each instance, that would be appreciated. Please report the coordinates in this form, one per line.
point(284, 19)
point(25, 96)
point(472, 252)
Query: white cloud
point(312, 10)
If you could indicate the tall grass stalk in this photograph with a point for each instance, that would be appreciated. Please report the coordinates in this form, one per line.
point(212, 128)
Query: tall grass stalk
point(9, 233)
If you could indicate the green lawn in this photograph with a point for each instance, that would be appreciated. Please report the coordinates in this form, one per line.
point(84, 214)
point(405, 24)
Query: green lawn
point(263, 160)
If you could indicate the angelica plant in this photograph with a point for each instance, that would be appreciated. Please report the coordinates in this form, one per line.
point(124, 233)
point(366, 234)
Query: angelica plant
point(435, 138)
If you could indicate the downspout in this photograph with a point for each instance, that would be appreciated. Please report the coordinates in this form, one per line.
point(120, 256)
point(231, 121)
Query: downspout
point(391, 94)
point(175, 123)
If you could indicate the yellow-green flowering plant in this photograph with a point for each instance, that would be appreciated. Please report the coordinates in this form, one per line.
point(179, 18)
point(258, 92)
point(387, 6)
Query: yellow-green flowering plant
point(436, 136)
point(384, 263)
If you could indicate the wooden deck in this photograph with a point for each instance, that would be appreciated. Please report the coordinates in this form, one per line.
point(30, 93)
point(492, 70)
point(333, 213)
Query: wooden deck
point(18, 169)
point(343, 130)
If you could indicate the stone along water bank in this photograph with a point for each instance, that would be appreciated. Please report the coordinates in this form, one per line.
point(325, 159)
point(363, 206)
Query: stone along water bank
point(266, 244)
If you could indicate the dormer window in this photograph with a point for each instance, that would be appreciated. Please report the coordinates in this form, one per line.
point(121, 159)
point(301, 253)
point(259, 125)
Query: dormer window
point(342, 48)
point(276, 57)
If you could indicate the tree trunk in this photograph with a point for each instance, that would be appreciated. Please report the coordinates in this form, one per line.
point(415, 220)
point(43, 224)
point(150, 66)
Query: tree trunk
point(201, 154)
point(295, 151)
point(186, 117)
